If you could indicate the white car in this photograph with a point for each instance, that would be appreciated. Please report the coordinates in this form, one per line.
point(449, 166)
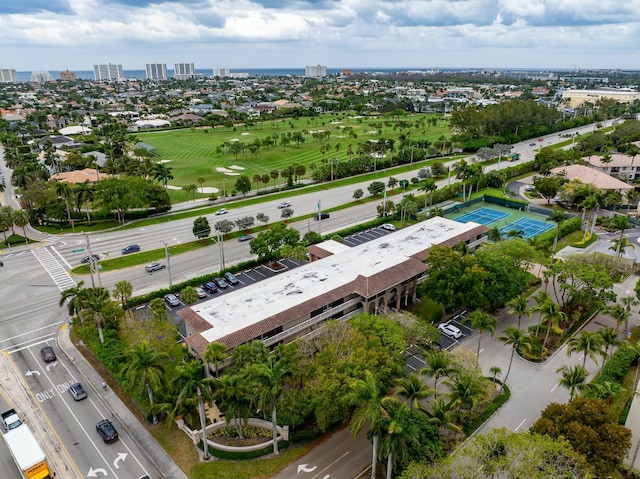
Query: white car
point(221, 211)
point(529, 188)
point(388, 227)
point(284, 204)
point(200, 292)
point(450, 330)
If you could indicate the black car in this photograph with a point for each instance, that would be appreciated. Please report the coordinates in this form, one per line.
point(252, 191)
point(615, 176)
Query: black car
point(321, 216)
point(77, 391)
point(87, 259)
point(231, 278)
point(210, 287)
point(107, 431)
point(132, 248)
point(48, 354)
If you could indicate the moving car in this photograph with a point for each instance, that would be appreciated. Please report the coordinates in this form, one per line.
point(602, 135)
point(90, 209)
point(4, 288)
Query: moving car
point(321, 216)
point(172, 299)
point(231, 278)
point(284, 204)
point(107, 431)
point(210, 287)
point(532, 144)
point(87, 259)
point(244, 238)
point(221, 211)
point(450, 330)
point(132, 248)
point(77, 391)
point(200, 292)
point(388, 227)
point(48, 354)
point(222, 284)
point(150, 268)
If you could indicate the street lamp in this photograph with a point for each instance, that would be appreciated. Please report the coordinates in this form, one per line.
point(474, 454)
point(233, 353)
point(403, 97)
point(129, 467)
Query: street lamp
point(167, 255)
point(93, 266)
point(224, 189)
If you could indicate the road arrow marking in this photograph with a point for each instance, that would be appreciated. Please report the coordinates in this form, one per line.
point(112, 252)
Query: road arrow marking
point(52, 365)
point(94, 472)
point(304, 468)
point(31, 373)
point(121, 457)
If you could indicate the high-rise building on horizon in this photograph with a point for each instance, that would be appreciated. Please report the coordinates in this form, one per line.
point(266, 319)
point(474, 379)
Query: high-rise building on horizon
point(184, 71)
point(107, 72)
point(41, 77)
point(156, 71)
point(68, 75)
point(8, 75)
point(317, 71)
point(221, 72)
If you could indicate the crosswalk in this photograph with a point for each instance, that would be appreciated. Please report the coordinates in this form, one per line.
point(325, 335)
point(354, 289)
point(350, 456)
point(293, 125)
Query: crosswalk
point(53, 267)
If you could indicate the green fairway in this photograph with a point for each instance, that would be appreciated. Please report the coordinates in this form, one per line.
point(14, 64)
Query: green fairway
point(206, 153)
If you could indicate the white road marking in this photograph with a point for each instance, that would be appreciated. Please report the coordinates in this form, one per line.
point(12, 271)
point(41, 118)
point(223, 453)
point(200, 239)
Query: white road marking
point(520, 425)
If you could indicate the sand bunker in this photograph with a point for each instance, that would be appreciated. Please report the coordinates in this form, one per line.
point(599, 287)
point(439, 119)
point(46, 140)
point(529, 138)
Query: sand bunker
point(205, 189)
point(163, 161)
point(222, 169)
point(236, 167)
point(246, 133)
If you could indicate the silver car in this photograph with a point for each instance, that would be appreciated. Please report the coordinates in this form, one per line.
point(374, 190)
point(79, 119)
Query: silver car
point(77, 391)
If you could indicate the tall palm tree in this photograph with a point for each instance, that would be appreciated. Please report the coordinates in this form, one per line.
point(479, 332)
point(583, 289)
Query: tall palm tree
point(558, 217)
point(269, 378)
point(482, 321)
point(465, 390)
point(518, 306)
point(231, 393)
point(122, 291)
point(541, 299)
point(610, 339)
point(413, 390)
point(518, 339)
point(96, 300)
point(622, 223)
point(620, 313)
point(201, 181)
point(442, 416)
point(400, 433)
point(365, 396)
point(162, 173)
point(63, 190)
point(144, 370)
point(628, 302)
point(438, 363)
point(620, 245)
point(553, 315)
point(84, 193)
point(574, 378)
point(6, 220)
point(194, 388)
point(428, 186)
point(215, 354)
point(75, 297)
point(589, 343)
point(21, 219)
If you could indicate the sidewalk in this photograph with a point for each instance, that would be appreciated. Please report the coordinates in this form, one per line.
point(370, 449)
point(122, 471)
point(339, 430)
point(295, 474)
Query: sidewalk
point(165, 467)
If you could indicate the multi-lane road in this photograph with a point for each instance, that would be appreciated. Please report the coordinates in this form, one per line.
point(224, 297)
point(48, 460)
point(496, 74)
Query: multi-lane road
point(33, 277)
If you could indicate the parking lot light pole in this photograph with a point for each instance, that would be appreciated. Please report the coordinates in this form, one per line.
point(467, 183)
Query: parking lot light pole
point(167, 256)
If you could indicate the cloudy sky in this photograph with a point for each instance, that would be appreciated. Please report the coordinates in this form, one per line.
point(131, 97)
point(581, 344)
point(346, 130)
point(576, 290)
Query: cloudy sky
point(236, 34)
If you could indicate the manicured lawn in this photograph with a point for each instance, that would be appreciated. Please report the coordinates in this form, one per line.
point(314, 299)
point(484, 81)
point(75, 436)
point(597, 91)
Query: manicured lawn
point(195, 153)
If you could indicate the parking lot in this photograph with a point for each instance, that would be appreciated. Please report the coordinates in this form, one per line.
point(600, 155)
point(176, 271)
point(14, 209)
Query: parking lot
point(365, 236)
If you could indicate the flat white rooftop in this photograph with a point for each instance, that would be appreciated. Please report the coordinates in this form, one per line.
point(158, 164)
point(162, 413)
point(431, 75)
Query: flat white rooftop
point(249, 305)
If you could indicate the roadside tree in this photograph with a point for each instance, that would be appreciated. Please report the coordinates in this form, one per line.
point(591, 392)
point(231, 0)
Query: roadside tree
point(201, 227)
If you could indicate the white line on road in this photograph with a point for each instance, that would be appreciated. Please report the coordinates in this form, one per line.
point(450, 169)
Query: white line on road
point(31, 332)
point(520, 425)
point(552, 389)
point(320, 472)
point(482, 350)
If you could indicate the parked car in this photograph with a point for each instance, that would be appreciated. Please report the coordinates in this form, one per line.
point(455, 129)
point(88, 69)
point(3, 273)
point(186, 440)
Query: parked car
point(284, 204)
point(231, 278)
point(210, 287)
point(107, 431)
point(222, 284)
point(200, 292)
point(172, 299)
point(221, 211)
point(532, 144)
point(450, 330)
point(132, 248)
point(150, 268)
point(529, 188)
point(388, 227)
point(48, 354)
point(244, 238)
point(321, 216)
point(77, 391)
point(87, 259)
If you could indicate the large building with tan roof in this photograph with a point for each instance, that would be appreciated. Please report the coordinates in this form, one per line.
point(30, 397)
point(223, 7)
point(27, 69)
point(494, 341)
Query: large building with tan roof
point(338, 282)
point(592, 176)
point(80, 176)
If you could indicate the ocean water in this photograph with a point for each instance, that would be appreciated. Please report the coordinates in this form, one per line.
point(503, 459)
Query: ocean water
point(25, 76)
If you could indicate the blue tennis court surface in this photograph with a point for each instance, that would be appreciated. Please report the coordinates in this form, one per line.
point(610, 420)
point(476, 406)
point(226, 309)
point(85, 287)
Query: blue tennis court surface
point(529, 227)
point(484, 216)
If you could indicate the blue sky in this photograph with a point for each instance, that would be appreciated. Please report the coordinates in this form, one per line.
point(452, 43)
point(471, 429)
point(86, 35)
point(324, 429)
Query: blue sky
point(236, 34)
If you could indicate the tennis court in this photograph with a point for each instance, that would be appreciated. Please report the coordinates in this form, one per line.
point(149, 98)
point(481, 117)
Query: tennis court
point(484, 216)
point(528, 226)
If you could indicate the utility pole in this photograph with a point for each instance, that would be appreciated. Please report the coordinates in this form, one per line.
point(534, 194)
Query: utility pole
point(92, 264)
point(221, 247)
point(167, 256)
point(319, 219)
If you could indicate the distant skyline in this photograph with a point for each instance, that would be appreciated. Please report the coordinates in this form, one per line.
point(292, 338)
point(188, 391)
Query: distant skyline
point(543, 34)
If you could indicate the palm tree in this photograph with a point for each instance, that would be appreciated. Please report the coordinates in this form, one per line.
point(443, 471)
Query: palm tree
point(494, 234)
point(428, 186)
point(619, 313)
point(622, 223)
point(194, 387)
point(75, 296)
point(162, 173)
point(438, 363)
point(541, 299)
point(144, 370)
point(482, 321)
point(620, 245)
point(201, 181)
point(232, 397)
point(442, 416)
point(96, 300)
point(269, 377)
point(122, 291)
point(518, 306)
point(465, 390)
point(587, 342)
point(518, 339)
point(610, 339)
point(365, 396)
point(604, 390)
point(400, 433)
point(413, 390)
point(6, 220)
point(21, 219)
point(558, 217)
point(574, 378)
point(64, 191)
point(84, 193)
point(215, 354)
